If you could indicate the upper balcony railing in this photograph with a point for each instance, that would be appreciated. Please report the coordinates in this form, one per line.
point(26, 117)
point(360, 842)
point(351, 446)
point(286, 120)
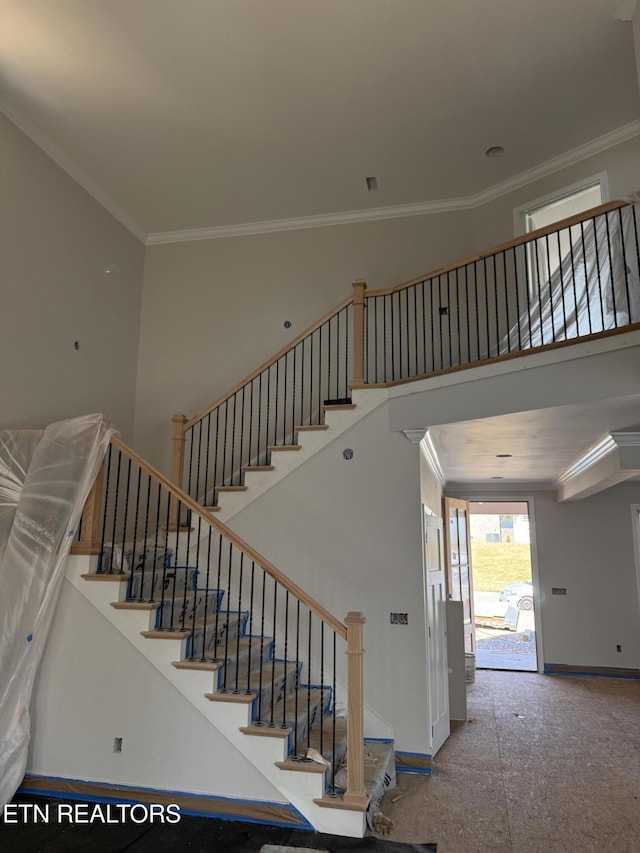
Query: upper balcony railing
point(570, 281)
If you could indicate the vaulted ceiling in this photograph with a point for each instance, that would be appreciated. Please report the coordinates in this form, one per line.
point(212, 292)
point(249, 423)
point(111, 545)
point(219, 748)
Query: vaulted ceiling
point(208, 113)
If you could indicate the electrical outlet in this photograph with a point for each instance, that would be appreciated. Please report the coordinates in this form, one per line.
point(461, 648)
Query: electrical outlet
point(618, 648)
point(117, 744)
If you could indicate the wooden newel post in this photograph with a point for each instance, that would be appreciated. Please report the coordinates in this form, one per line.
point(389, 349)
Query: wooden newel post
point(178, 442)
point(90, 540)
point(355, 794)
point(359, 287)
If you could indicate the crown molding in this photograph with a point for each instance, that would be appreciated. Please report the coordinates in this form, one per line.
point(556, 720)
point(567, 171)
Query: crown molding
point(428, 448)
point(569, 158)
point(575, 155)
point(611, 442)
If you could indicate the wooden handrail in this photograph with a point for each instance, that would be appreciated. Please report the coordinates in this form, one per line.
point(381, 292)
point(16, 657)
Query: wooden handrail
point(267, 364)
point(503, 247)
point(228, 534)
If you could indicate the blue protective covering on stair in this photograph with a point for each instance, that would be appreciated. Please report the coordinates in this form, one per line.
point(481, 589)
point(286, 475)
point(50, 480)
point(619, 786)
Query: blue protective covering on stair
point(45, 478)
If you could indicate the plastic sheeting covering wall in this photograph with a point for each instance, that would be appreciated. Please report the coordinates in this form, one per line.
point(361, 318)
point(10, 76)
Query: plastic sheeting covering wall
point(45, 477)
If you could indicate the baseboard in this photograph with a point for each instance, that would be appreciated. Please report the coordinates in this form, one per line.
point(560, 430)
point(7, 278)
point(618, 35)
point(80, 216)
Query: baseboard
point(199, 805)
point(413, 762)
point(591, 671)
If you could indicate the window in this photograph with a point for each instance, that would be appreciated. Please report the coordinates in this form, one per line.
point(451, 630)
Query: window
point(544, 255)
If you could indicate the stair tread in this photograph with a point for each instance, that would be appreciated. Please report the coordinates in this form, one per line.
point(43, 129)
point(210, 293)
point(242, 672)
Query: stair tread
point(231, 488)
point(311, 427)
point(337, 407)
point(315, 695)
point(106, 576)
point(211, 508)
point(234, 647)
point(279, 672)
point(284, 447)
point(258, 467)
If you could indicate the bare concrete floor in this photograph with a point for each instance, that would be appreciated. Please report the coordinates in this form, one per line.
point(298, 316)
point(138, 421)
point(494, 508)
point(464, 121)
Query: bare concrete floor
point(545, 763)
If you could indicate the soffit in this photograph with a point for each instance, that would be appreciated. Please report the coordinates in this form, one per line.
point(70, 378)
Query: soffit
point(208, 113)
point(543, 443)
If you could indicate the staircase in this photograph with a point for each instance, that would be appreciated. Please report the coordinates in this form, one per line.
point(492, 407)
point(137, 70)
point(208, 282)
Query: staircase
point(247, 648)
point(259, 659)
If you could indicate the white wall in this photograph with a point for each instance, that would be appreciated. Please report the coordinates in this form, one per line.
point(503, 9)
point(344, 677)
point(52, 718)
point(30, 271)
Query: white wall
point(93, 686)
point(587, 547)
point(214, 310)
point(349, 533)
point(55, 243)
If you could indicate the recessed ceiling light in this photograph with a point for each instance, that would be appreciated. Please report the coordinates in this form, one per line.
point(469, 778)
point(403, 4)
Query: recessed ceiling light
point(504, 455)
point(494, 151)
point(372, 184)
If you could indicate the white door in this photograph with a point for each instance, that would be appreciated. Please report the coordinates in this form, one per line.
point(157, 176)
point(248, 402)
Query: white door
point(435, 592)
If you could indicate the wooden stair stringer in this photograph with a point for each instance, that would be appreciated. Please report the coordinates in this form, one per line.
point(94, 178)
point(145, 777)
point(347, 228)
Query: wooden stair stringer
point(264, 753)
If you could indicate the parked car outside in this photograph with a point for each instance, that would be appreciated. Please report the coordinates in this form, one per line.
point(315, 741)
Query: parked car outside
point(520, 594)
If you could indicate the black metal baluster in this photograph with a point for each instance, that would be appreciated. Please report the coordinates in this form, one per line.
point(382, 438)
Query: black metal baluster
point(587, 294)
point(273, 658)
point(226, 633)
point(135, 535)
point(126, 516)
point(252, 392)
point(206, 461)
point(217, 621)
point(302, 386)
point(321, 685)
point(477, 307)
point(624, 263)
point(235, 689)
point(286, 652)
point(635, 231)
point(216, 457)
point(495, 300)
point(424, 331)
point(415, 326)
point(248, 691)
point(551, 312)
point(517, 288)
point(562, 290)
point(486, 304)
point(333, 722)
point(260, 420)
point(440, 315)
point(506, 300)
point(295, 710)
point(433, 335)
point(573, 278)
point(241, 462)
point(540, 294)
point(268, 412)
point(260, 670)
point(233, 440)
point(597, 254)
point(143, 555)
point(224, 445)
point(611, 276)
point(154, 572)
point(527, 255)
point(328, 324)
point(384, 334)
point(393, 341)
point(192, 643)
point(406, 318)
point(308, 727)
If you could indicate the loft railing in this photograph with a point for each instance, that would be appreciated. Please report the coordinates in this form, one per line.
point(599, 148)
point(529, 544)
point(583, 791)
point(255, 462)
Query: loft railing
point(571, 280)
point(231, 607)
point(574, 280)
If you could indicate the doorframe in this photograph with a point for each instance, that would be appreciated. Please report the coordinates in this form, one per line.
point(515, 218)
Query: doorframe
point(499, 497)
point(635, 527)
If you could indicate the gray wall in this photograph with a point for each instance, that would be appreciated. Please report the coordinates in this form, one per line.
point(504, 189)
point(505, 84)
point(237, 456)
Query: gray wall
point(214, 310)
point(55, 243)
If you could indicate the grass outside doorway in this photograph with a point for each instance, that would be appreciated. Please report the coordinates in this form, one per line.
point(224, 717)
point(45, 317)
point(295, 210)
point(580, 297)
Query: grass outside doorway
point(497, 564)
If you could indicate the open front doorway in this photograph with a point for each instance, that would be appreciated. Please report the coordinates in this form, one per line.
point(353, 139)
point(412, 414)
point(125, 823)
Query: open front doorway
point(504, 608)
